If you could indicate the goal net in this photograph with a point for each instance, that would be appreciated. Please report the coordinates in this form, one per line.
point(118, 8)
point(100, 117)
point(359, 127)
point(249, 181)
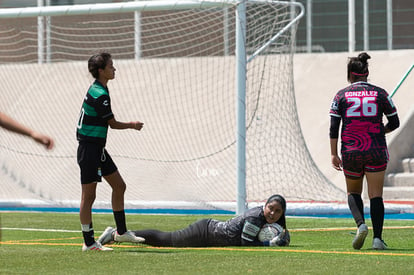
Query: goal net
point(176, 72)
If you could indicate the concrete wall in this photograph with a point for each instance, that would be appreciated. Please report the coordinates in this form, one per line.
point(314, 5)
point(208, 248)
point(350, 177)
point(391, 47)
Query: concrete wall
point(401, 146)
point(319, 76)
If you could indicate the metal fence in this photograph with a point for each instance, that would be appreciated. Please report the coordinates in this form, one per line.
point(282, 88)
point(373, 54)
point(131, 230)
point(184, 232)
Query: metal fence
point(350, 25)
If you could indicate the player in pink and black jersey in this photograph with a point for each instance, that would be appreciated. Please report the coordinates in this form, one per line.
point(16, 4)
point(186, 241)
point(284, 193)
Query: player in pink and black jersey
point(361, 107)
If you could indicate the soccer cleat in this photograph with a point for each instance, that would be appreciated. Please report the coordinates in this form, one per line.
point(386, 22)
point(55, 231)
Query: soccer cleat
point(127, 237)
point(107, 236)
point(378, 244)
point(97, 246)
point(361, 234)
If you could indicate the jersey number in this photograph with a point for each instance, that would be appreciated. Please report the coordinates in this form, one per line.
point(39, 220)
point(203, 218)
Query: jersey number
point(81, 116)
point(366, 104)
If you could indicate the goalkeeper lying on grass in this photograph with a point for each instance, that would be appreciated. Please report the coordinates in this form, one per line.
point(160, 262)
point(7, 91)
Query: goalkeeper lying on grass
point(241, 230)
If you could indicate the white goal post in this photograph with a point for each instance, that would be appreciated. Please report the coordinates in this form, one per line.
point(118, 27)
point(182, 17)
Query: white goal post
point(191, 63)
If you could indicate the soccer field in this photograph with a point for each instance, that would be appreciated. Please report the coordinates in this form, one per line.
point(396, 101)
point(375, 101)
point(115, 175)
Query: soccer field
point(50, 243)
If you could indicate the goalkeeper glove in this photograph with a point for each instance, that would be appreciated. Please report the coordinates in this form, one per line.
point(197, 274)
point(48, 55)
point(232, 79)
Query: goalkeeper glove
point(283, 239)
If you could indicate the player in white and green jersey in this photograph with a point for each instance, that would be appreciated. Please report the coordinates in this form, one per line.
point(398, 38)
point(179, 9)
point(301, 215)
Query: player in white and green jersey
point(93, 159)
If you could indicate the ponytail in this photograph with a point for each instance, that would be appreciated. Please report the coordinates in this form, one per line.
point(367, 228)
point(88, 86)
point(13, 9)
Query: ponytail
point(363, 57)
point(358, 66)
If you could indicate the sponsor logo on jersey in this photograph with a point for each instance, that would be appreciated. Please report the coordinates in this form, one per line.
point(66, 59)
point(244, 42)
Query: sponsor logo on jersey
point(334, 105)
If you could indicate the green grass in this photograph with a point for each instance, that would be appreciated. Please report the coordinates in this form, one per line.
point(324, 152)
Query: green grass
point(324, 251)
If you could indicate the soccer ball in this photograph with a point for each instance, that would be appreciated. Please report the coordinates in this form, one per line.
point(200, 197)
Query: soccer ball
point(269, 231)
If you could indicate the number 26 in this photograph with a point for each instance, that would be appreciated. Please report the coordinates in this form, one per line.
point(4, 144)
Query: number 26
point(366, 104)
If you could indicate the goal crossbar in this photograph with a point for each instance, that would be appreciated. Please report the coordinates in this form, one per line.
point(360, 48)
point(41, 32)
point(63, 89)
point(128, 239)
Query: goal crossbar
point(86, 9)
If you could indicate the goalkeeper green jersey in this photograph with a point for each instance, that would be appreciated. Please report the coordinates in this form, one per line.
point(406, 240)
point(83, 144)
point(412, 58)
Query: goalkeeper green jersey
point(94, 115)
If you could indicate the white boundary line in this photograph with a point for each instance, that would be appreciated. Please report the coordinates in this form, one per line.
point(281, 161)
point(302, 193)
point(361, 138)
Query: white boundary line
point(291, 229)
point(41, 230)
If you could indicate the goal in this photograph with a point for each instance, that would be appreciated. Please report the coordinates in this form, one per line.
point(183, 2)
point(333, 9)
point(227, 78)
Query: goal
point(211, 80)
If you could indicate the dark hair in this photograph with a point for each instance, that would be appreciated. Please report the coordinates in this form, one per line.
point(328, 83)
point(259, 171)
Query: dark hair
point(98, 61)
point(282, 201)
point(358, 66)
point(279, 199)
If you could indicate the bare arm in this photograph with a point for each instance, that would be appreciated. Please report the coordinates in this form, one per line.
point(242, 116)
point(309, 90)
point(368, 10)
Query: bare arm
point(335, 159)
point(114, 124)
point(12, 125)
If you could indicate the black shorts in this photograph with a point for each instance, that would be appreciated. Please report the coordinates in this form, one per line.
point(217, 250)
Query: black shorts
point(94, 162)
point(356, 163)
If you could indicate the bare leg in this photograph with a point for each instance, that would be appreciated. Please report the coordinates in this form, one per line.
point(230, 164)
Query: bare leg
point(85, 212)
point(375, 183)
point(354, 186)
point(87, 200)
point(118, 190)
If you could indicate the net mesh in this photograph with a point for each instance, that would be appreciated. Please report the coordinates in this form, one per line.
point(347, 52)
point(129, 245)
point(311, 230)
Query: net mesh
point(176, 73)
